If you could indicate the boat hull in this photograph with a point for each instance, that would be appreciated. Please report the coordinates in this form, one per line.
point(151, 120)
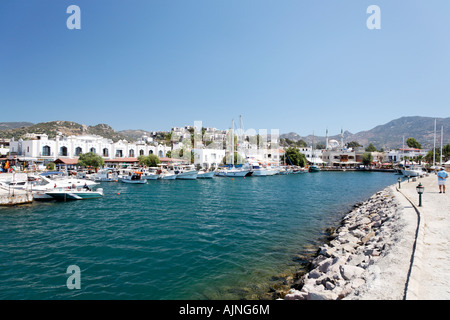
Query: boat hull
point(206, 175)
point(412, 173)
point(190, 175)
point(169, 176)
point(232, 173)
point(134, 181)
point(150, 177)
point(74, 195)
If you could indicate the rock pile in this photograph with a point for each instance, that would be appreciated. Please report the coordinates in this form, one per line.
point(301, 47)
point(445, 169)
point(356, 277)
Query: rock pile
point(342, 266)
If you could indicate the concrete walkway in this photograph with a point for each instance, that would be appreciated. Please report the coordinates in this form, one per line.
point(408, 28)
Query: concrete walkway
point(430, 273)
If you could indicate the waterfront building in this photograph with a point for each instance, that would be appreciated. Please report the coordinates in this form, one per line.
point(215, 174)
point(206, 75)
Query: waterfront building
point(208, 158)
point(409, 153)
point(311, 156)
point(41, 149)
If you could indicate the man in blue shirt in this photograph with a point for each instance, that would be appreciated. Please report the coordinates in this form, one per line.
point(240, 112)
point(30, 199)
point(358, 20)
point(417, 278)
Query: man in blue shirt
point(442, 177)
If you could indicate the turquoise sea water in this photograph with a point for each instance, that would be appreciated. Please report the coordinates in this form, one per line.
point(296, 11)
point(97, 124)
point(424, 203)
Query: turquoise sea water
point(199, 239)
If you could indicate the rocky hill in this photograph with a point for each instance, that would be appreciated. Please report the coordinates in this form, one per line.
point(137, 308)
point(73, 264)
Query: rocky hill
point(66, 128)
point(390, 135)
point(14, 125)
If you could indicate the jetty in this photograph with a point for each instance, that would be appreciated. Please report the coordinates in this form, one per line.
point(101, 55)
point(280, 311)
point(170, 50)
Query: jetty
point(386, 248)
point(11, 196)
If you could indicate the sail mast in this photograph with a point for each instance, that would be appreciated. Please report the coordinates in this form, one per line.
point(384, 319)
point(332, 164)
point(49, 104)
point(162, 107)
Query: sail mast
point(434, 144)
point(442, 140)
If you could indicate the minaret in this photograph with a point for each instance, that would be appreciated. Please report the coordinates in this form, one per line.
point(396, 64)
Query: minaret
point(326, 141)
point(342, 139)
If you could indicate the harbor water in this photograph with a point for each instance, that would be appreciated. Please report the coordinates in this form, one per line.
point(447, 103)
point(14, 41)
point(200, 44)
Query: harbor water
point(218, 238)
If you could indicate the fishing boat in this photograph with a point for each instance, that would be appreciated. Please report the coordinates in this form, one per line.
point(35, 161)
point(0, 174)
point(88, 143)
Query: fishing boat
point(134, 178)
point(65, 194)
point(204, 174)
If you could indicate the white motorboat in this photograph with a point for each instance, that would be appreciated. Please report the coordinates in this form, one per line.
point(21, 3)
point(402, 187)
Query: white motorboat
point(149, 174)
point(65, 194)
point(133, 178)
point(203, 174)
point(105, 175)
point(413, 171)
point(45, 184)
point(166, 175)
point(185, 173)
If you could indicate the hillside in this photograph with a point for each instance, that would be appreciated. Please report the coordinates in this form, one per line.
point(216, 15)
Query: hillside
point(67, 128)
point(14, 125)
point(390, 135)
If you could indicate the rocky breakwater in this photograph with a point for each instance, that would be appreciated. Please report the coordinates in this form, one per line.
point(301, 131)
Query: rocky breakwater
point(343, 266)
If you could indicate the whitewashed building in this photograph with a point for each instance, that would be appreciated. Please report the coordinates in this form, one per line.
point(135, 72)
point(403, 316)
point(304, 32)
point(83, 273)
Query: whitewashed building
point(43, 149)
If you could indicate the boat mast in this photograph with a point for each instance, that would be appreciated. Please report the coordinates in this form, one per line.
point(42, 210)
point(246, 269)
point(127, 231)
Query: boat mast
point(442, 140)
point(232, 143)
point(434, 144)
point(403, 152)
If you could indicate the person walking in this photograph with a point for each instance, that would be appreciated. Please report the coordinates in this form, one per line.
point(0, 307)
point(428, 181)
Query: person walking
point(442, 177)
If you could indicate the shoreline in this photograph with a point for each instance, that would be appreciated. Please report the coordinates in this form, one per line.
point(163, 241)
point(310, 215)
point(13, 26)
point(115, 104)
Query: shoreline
point(368, 256)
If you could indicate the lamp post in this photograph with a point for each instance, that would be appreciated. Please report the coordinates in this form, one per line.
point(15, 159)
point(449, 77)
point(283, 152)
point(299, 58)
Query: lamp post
point(420, 188)
point(399, 180)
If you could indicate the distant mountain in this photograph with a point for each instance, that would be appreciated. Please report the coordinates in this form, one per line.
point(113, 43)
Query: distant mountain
point(134, 134)
point(67, 128)
point(14, 125)
point(390, 135)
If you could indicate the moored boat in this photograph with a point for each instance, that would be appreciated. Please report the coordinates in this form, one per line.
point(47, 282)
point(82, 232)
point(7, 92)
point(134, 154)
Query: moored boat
point(133, 178)
point(64, 194)
point(203, 174)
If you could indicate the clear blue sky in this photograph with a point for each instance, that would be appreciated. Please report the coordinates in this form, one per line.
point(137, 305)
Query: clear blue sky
point(288, 64)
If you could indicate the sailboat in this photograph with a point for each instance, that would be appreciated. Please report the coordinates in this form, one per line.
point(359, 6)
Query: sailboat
point(233, 171)
point(313, 167)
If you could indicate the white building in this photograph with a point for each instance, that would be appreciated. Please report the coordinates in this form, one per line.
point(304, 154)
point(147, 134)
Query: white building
point(208, 158)
point(43, 149)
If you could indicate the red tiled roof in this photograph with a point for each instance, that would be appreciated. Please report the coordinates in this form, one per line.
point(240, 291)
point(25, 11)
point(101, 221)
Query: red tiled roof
point(66, 161)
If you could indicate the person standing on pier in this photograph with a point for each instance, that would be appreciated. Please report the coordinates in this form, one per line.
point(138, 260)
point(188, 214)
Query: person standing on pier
point(442, 177)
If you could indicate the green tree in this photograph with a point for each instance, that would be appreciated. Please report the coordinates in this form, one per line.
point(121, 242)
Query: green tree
point(294, 156)
point(150, 161)
point(90, 159)
point(320, 146)
point(412, 143)
point(367, 158)
point(371, 148)
point(446, 152)
point(51, 166)
point(353, 144)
